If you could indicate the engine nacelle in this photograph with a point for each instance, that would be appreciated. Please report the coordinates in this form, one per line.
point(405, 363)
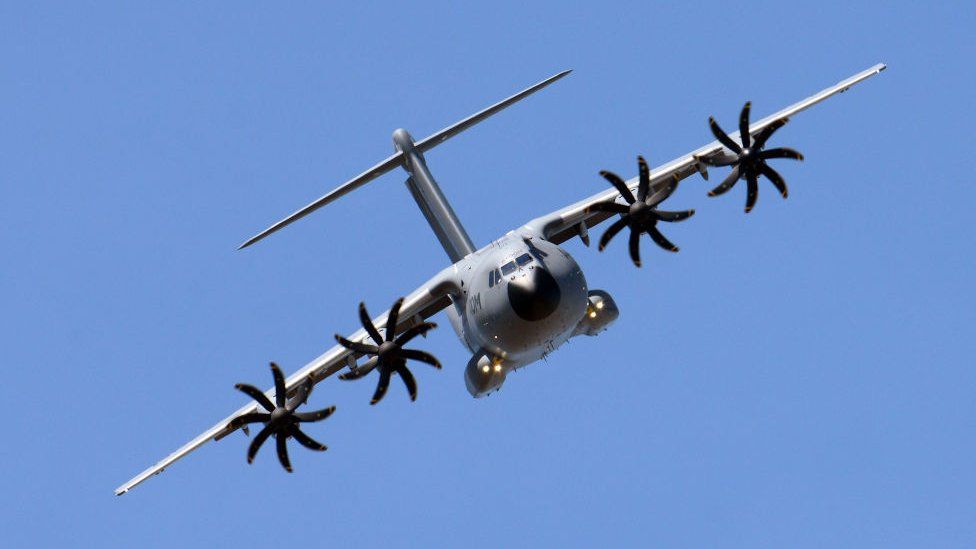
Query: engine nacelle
point(484, 375)
point(600, 313)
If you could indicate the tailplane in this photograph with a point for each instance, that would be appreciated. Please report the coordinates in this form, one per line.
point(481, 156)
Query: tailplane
point(408, 157)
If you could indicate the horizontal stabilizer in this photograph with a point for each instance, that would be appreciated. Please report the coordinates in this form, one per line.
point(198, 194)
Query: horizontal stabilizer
point(345, 188)
point(397, 159)
point(430, 142)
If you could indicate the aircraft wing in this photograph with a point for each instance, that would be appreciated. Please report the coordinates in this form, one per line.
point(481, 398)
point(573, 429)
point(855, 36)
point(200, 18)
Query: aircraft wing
point(426, 301)
point(574, 220)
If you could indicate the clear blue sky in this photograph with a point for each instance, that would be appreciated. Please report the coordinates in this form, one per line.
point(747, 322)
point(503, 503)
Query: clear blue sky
point(802, 376)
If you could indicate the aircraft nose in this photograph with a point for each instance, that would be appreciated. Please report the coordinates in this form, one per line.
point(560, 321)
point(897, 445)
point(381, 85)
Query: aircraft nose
point(535, 295)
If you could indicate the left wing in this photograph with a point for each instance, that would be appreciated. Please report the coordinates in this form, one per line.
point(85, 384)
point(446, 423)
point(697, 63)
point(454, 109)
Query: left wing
point(574, 220)
point(423, 303)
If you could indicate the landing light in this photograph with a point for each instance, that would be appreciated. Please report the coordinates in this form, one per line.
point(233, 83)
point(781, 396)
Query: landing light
point(592, 314)
point(498, 367)
point(485, 368)
point(599, 304)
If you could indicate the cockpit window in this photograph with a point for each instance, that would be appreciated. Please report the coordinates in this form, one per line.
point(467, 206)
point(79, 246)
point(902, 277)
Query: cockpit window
point(508, 268)
point(523, 260)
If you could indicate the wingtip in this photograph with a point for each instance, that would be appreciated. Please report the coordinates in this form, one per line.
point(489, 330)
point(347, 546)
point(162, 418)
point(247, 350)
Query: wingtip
point(249, 241)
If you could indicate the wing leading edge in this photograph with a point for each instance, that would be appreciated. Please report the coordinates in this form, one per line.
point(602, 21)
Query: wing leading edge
point(423, 303)
point(561, 225)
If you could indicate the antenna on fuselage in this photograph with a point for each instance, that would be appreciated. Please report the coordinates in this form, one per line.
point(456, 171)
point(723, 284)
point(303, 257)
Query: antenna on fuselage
point(398, 158)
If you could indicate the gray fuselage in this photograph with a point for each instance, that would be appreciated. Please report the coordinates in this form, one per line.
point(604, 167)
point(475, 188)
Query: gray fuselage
point(520, 297)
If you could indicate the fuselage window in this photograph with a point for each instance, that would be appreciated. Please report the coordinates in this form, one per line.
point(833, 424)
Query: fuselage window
point(494, 277)
point(508, 268)
point(523, 260)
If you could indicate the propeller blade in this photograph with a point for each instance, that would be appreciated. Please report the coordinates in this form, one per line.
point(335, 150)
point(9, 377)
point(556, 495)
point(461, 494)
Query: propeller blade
point(363, 348)
point(634, 246)
point(645, 179)
point(659, 239)
point(744, 124)
point(306, 440)
point(775, 178)
point(279, 382)
point(262, 436)
point(722, 161)
point(612, 231)
point(281, 441)
point(421, 356)
point(664, 192)
point(317, 415)
point(246, 419)
point(392, 318)
point(764, 134)
point(381, 387)
point(610, 207)
point(409, 381)
point(256, 394)
point(752, 192)
point(674, 217)
point(301, 396)
point(620, 185)
point(726, 184)
point(723, 137)
point(410, 333)
point(368, 324)
point(781, 152)
point(353, 375)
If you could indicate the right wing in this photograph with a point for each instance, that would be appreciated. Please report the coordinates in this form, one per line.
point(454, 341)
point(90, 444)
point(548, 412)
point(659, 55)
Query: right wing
point(423, 303)
point(575, 219)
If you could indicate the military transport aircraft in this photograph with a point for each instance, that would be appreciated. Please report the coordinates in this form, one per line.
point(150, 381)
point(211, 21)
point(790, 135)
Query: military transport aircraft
point(512, 301)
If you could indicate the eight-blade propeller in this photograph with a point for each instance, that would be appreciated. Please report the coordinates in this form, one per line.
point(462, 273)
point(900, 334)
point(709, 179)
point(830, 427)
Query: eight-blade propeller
point(390, 356)
point(640, 213)
point(750, 159)
point(282, 420)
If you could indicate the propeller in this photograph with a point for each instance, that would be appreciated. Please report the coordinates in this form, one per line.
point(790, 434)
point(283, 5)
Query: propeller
point(281, 420)
point(640, 213)
point(389, 356)
point(750, 158)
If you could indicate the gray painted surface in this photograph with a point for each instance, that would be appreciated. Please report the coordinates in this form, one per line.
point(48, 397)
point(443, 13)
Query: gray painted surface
point(432, 202)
